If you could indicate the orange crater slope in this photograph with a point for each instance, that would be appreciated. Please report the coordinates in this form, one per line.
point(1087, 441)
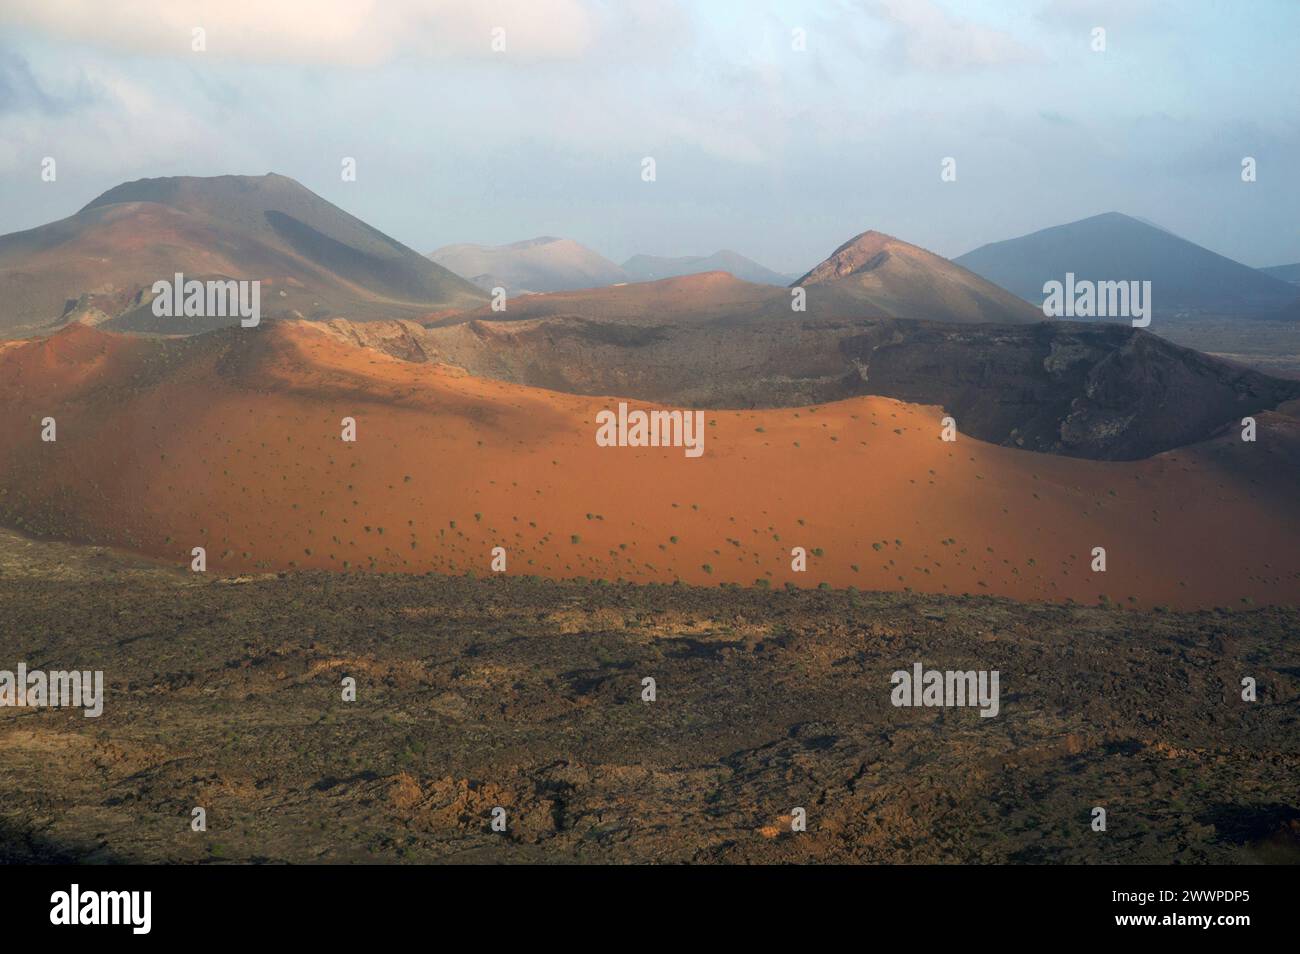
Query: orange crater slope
point(232, 441)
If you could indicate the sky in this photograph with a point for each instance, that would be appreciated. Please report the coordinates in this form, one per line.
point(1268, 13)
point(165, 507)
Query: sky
point(778, 149)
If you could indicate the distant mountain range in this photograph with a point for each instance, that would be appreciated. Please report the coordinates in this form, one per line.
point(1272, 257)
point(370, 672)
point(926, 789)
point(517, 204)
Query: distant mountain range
point(545, 264)
point(878, 275)
point(649, 268)
point(1185, 278)
point(313, 259)
point(1287, 273)
point(316, 261)
point(549, 264)
point(871, 276)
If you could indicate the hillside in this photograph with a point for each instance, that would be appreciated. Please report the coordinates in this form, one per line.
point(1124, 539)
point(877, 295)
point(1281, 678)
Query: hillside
point(1185, 278)
point(880, 276)
point(313, 259)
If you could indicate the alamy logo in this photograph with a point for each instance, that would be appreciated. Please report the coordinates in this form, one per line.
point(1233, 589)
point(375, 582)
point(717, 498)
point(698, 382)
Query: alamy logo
point(939, 687)
point(212, 299)
point(651, 429)
point(59, 689)
point(1089, 299)
point(103, 907)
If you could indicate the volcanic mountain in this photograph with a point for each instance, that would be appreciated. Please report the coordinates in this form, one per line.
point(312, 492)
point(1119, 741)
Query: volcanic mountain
point(871, 276)
point(877, 275)
point(1185, 278)
point(313, 259)
point(232, 441)
point(544, 264)
point(649, 268)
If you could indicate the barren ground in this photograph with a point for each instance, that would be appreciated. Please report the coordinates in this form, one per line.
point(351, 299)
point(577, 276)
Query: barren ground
point(525, 694)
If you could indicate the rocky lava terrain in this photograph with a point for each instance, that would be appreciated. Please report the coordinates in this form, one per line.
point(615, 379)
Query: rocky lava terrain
point(474, 694)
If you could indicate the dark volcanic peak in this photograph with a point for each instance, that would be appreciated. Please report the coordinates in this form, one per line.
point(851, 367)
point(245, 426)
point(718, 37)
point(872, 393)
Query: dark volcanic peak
point(1115, 247)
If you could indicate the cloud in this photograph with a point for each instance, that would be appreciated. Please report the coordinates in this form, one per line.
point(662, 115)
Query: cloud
point(92, 119)
point(929, 38)
point(1085, 14)
point(22, 92)
point(337, 32)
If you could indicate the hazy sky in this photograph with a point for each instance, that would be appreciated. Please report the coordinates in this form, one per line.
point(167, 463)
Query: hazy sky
point(777, 153)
